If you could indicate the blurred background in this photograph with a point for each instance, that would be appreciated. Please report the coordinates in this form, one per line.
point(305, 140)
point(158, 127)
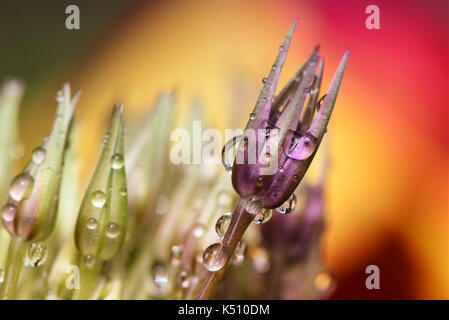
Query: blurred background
point(387, 196)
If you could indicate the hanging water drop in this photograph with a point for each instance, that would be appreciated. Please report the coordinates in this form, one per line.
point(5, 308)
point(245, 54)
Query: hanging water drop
point(89, 260)
point(184, 279)
point(38, 155)
point(37, 254)
point(223, 223)
point(9, 211)
point(113, 230)
point(98, 199)
point(117, 161)
point(59, 96)
point(91, 223)
point(215, 257)
point(252, 116)
point(20, 186)
point(320, 102)
point(263, 216)
point(288, 206)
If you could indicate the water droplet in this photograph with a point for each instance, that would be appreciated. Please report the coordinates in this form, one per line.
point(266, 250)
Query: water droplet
point(252, 116)
point(37, 254)
point(38, 155)
point(215, 257)
point(260, 181)
point(228, 153)
point(263, 216)
point(117, 161)
point(320, 103)
point(160, 276)
point(306, 91)
point(264, 80)
point(113, 230)
point(223, 223)
point(123, 191)
point(224, 199)
point(281, 169)
point(91, 224)
point(2, 275)
point(184, 279)
point(239, 253)
point(281, 48)
point(288, 206)
point(89, 260)
point(59, 96)
point(20, 186)
point(98, 199)
point(9, 211)
point(274, 67)
point(175, 256)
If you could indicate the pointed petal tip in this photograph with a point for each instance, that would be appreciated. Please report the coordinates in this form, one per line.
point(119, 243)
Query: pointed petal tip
point(292, 28)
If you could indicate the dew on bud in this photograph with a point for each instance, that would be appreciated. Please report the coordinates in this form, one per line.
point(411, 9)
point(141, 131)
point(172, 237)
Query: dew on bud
point(117, 161)
point(9, 211)
point(20, 186)
point(89, 260)
point(175, 255)
point(113, 230)
point(263, 216)
point(223, 223)
point(123, 191)
point(91, 224)
point(38, 155)
point(37, 254)
point(288, 206)
point(252, 116)
point(98, 199)
point(215, 257)
point(184, 279)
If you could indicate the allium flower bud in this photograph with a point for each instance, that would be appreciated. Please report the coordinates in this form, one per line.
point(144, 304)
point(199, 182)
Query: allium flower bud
point(31, 209)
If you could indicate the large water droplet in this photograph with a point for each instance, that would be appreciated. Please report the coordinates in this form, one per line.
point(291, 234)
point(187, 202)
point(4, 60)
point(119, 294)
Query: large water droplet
point(38, 155)
point(117, 161)
point(184, 279)
point(91, 224)
point(37, 254)
point(98, 199)
point(239, 253)
point(113, 230)
point(123, 191)
point(300, 148)
point(228, 153)
point(223, 223)
point(89, 260)
point(9, 211)
point(215, 257)
point(288, 206)
point(263, 216)
point(320, 102)
point(20, 186)
point(59, 96)
point(175, 256)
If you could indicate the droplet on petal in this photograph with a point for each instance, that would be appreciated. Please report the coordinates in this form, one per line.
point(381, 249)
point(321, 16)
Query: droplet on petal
point(288, 206)
point(98, 199)
point(38, 155)
point(20, 186)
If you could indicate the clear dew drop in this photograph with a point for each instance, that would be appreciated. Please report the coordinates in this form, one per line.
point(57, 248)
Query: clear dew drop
point(38, 155)
point(89, 260)
point(175, 255)
point(239, 253)
point(264, 80)
point(123, 191)
point(59, 96)
point(37, 254)
point(98, 199)
point(8, 212)
point(117, 161)
point(288, 206)
point(2, 275)
point(228, 153)
point(252, 116)
point(320, 103)
point(263, 216)
point(113, 230)
point(184, 279)
point(20, 186)
point(260, 182)
point(91, 223)
point(160, 276)
point(223, 223)
point(214, 257)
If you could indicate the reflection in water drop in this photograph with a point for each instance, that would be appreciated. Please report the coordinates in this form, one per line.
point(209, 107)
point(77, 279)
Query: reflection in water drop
point(37, 254)
point(215, 257)
point(223, 223)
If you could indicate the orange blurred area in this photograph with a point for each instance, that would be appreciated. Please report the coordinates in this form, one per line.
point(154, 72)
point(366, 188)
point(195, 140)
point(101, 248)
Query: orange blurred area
point(387, 193)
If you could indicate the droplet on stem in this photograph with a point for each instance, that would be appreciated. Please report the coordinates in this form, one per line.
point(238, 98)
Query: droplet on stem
point(223, 223)
point(215, 257)
point(117, 161)
point(91, 223)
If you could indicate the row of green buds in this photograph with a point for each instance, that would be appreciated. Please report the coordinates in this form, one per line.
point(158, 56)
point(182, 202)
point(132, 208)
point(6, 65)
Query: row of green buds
point(102, 219)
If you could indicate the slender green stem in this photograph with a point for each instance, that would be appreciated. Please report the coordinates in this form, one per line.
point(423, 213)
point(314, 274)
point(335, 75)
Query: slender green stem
point(88, 278)
point(14, 263)
point(240, 221)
